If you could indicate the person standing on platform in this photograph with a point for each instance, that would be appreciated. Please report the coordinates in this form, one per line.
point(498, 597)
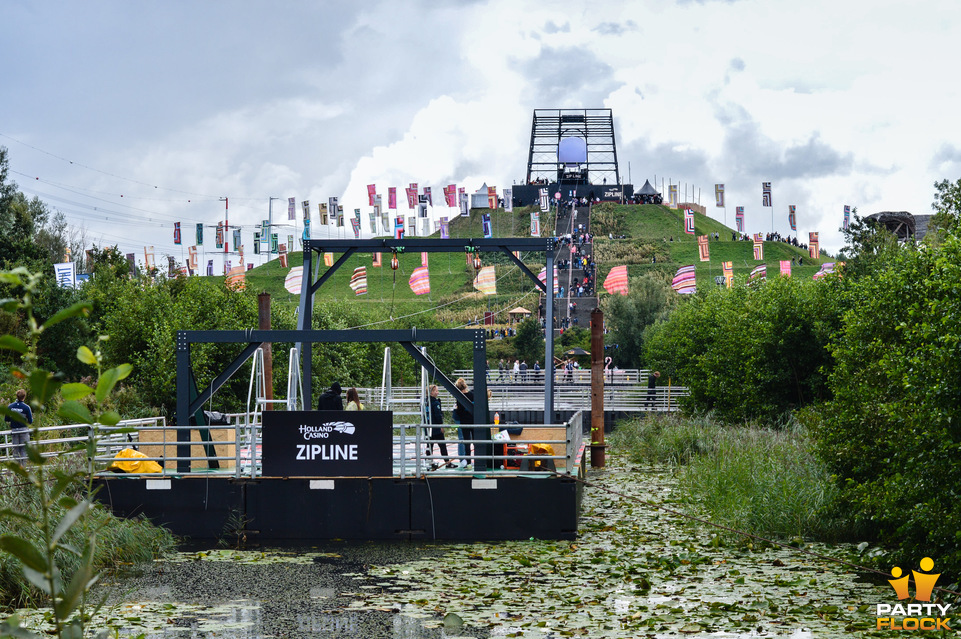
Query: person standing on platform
point(517, 371)
point(524, 371)
point(651, 388)
point(330, 399)
point(21, 433)
point(436, 415)
point(353, 399)
point(464, 417)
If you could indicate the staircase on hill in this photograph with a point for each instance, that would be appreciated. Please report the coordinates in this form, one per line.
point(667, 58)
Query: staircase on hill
point(573, 261)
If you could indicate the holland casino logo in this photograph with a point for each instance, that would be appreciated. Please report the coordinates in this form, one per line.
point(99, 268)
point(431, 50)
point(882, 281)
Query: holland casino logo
point(914, 616)
point(326, 452)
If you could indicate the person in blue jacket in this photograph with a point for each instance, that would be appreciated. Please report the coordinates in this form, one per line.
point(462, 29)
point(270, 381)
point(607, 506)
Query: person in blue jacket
point(21, 431)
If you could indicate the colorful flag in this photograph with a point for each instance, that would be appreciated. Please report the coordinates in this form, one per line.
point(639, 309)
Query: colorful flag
point(210, 266)
point(412, 225)
point(322, 209)
point(355, 225)
point(535, 224)
point(545, 200)
point(220, 235)
point(616, 281)
point(430, 198)
point(424, 256)
point(392, 197)
point(719, 195)
point(685, 280)
point(328, 259)
point(485, 282)
point(739, 218)
point(486, 223)
point(237, 240)
point(192, 259)
point(786, 268)
point(792, 216)
point(672, 195)
point(332, 208)
point(412, 196)
point(450, 195)
point(377, 260)
point(847, 216)
point(463, 201)
point(305, 206)
point(702, 248)
point(200, 234)
point(306, 234)
point(176, 232)
point(689, 221)
point(542, 276)
point(766, 194)
point(358, 281)
point(283, 255)
point(444, 228)
point(371, 193)
point(826, 269)
point(236, 278)
point(509, 200)
point(813, 247)
point(340, 215)
point(492, 197)
point(728, 270)
point(148, 257)
point(373, 222)
point(420, 280)
point(293, 280)
point(291, 209)
point(759, 272)
point(399, 228)
point(758, 249)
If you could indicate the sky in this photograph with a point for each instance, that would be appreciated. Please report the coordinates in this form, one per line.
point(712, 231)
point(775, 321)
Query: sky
point(130, 116)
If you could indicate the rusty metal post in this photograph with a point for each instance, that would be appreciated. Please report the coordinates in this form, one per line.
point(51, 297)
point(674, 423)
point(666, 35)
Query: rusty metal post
point(263, 323)
point(597, 389)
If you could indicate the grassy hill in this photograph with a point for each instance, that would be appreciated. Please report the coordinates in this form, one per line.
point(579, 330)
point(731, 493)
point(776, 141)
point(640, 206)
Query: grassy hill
point(651, 231)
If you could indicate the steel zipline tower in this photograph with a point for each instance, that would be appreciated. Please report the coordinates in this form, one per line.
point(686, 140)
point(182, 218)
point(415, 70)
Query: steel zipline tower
point(573, 146)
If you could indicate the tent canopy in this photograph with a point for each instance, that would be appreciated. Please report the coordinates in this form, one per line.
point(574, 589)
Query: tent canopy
point(647, 189)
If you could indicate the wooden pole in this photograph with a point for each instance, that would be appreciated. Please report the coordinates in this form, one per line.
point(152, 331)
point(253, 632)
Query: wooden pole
point(597, 389)
point(263, 323)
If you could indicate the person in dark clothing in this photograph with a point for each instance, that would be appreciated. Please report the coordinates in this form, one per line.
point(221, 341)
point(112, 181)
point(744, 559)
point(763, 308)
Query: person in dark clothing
point(330, 399)
point(651, 386)
point(21, 433)
point(436, 415)
point(465, 418)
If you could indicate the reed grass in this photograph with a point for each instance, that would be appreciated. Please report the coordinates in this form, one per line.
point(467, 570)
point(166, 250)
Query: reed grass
point(759, 480)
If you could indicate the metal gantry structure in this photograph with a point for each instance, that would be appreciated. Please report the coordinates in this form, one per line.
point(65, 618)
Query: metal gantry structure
point(190, 399)
point(594, 126)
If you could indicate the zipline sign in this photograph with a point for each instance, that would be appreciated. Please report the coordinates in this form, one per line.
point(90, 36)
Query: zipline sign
point(336, 443)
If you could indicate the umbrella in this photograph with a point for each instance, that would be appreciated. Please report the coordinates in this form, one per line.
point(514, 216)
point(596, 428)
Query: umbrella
point(577, 351)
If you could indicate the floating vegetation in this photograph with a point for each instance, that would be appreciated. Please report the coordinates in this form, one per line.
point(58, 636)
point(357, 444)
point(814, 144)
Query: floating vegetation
point(251, 557)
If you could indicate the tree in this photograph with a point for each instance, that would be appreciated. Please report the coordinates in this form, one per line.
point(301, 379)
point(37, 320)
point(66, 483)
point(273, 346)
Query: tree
point(649, 300)
point(529, 341)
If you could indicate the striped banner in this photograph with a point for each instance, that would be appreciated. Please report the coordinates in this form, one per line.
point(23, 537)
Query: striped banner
point(355, 226)
point(377, 260)
point(766, 194)
point(685, 280)
point(719, 195)
point(444, 229)
point(792, 216)
point(728, 269)
point(176, 232)
point(492, 197)
point(703, 251)
point(542, 276)
point(759, 273)
point(847, 217)
point(486, 223)
point(758, 250)
point(616, 281)
point(689, 221)
point(236, 278)
point(423, 258)
point(535, 224)
point(328, 259)
point(399, 228)
point(545, 200)
point(371, 194)
point(392, 197)
point(672, 195)
point(420, 280)
point(486, 281)
point(826, 269)
point(786, 268)
point(358, 281)
point(739, 218)
point(291, 209)
point(814, 249)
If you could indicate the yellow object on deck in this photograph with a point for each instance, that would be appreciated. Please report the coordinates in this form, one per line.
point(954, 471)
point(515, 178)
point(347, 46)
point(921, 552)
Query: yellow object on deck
point(133, 462)
point(545, 450)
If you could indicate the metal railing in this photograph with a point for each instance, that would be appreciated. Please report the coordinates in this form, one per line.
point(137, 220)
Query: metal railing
point(577, 376)
point(235, 447)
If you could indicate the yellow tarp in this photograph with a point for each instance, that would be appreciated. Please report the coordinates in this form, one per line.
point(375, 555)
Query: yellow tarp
point(541, 449)
point(133, 462)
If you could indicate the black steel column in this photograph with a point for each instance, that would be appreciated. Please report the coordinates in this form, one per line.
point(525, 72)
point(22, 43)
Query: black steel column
point(549, 335)
point(183, 402)
point(305, 314)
